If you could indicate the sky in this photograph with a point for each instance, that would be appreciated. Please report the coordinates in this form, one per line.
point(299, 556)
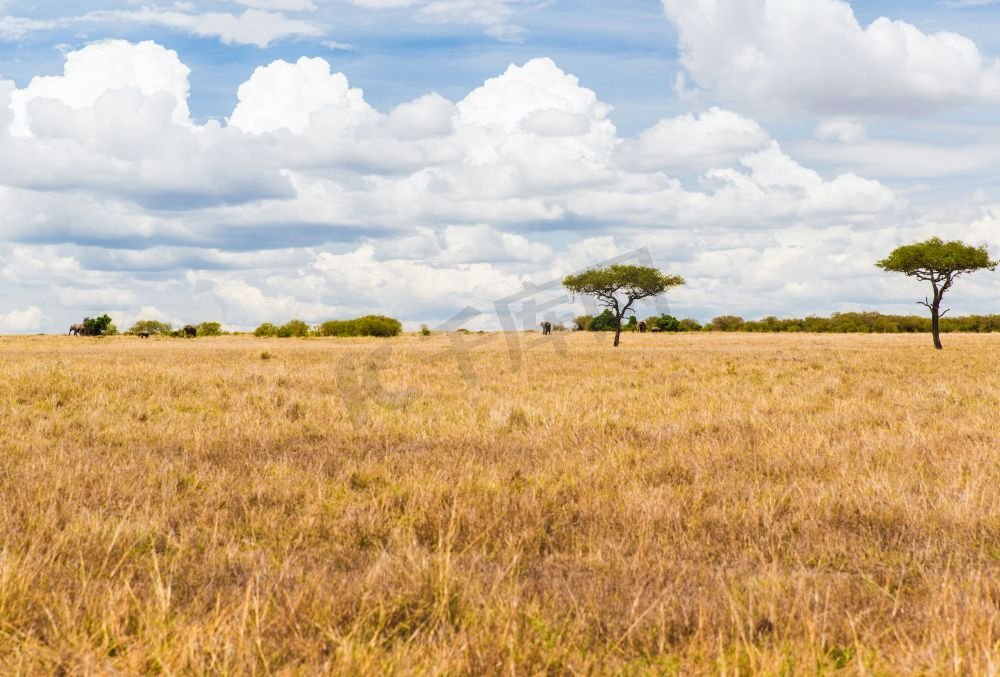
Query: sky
point(250, 161)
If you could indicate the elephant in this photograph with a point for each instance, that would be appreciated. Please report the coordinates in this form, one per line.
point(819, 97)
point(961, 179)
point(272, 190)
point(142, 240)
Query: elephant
point(143, 334)
point(76, 330)
point(656, 330)
point(190, 331)
point(546, 328)
point(642, 326)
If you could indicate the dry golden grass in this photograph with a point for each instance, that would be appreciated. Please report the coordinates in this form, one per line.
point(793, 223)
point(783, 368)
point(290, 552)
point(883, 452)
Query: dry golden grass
point(693, 504)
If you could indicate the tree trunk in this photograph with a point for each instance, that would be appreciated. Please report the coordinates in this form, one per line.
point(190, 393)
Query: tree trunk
point(619, 314)
point(936, 321)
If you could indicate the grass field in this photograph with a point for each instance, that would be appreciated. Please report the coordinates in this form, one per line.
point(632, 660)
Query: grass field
point(693, 504)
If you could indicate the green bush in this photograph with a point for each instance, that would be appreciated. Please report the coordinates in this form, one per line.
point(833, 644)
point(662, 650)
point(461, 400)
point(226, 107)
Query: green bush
point(687, 324)
point(667, 323)
point(369, 325)
point(603, 322)
point(337, 328)
point(425, 330)
point(266, 330)
point(209, 329)
point(294, 329)
point(582, 322)
point(378, 325)
point(857, 323)
point(151, 326)
point(726, 323)
point(98, 326)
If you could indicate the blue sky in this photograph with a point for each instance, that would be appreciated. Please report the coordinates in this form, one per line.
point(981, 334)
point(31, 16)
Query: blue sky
point(768, 150)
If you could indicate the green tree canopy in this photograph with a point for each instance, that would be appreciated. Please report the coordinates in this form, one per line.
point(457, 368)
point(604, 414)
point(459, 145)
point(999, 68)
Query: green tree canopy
point(209, 329)
point(939, 263)
point(618, 287)
point(666, 323)
point(97, 326)
point(151, 326)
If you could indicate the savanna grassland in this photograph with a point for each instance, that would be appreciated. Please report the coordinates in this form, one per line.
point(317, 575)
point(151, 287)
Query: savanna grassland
point(687, 504)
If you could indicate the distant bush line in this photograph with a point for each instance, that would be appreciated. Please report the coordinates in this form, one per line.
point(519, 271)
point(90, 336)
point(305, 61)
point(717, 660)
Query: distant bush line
point(369, 325)
point(154, 328)
point(838, 323)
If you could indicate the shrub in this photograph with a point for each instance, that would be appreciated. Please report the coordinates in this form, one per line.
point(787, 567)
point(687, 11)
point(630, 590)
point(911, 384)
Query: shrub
point(603, 322)
point(378, 325)
point(209, 329)
point(687, 324)
point(294, 329)
point(97, 326)
point(668, 323)
point(425, 330)
point(369, 325)
point(151, 326)
point(726, 323)
point(337, 328)
point(582, 322)
point(266, 330)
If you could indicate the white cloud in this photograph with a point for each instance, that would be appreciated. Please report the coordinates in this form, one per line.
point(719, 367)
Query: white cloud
point(13, 27)
point(495, 16)
point(253, 27)
point(285, 5)
point(845, 131)
point(285, 96)
point(715, 138)
point(101, 67)
point(21, 321)
point(106, 297)
point(312, 203)
point(813, 56)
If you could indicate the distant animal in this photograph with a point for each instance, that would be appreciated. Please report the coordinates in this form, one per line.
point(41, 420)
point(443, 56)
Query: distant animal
point(546, 328)
point(190, 331)
point(76, 330)
point(642, 326)
point(656, 330)
point(143, 334)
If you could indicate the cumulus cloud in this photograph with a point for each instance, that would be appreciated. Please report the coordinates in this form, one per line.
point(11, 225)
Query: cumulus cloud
point(813, 56)
point(310, 202)
point(19, 321)
point(106, 66)
point(285, 96)
point(715, 138)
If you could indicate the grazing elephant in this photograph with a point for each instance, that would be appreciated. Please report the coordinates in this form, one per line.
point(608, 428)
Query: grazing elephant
point(642, 326)
point(546, 328)
point(76, 330)
point(190, 331)
point(143, 334)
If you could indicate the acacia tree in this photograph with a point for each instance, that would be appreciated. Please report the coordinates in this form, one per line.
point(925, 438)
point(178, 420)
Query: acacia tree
point(618, 287)
point(939, 263)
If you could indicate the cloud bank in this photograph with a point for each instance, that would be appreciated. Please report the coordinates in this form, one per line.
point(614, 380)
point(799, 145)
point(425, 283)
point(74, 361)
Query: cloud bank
point(310, 202)
point(814, 57)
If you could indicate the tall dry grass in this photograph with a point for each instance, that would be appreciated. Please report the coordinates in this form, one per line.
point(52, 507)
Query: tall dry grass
point(692, 504)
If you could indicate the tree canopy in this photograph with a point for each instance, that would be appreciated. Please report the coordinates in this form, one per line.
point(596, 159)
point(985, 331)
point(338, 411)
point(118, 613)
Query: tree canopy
point(939, 263)
point(935, 260)
point(618, 287)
